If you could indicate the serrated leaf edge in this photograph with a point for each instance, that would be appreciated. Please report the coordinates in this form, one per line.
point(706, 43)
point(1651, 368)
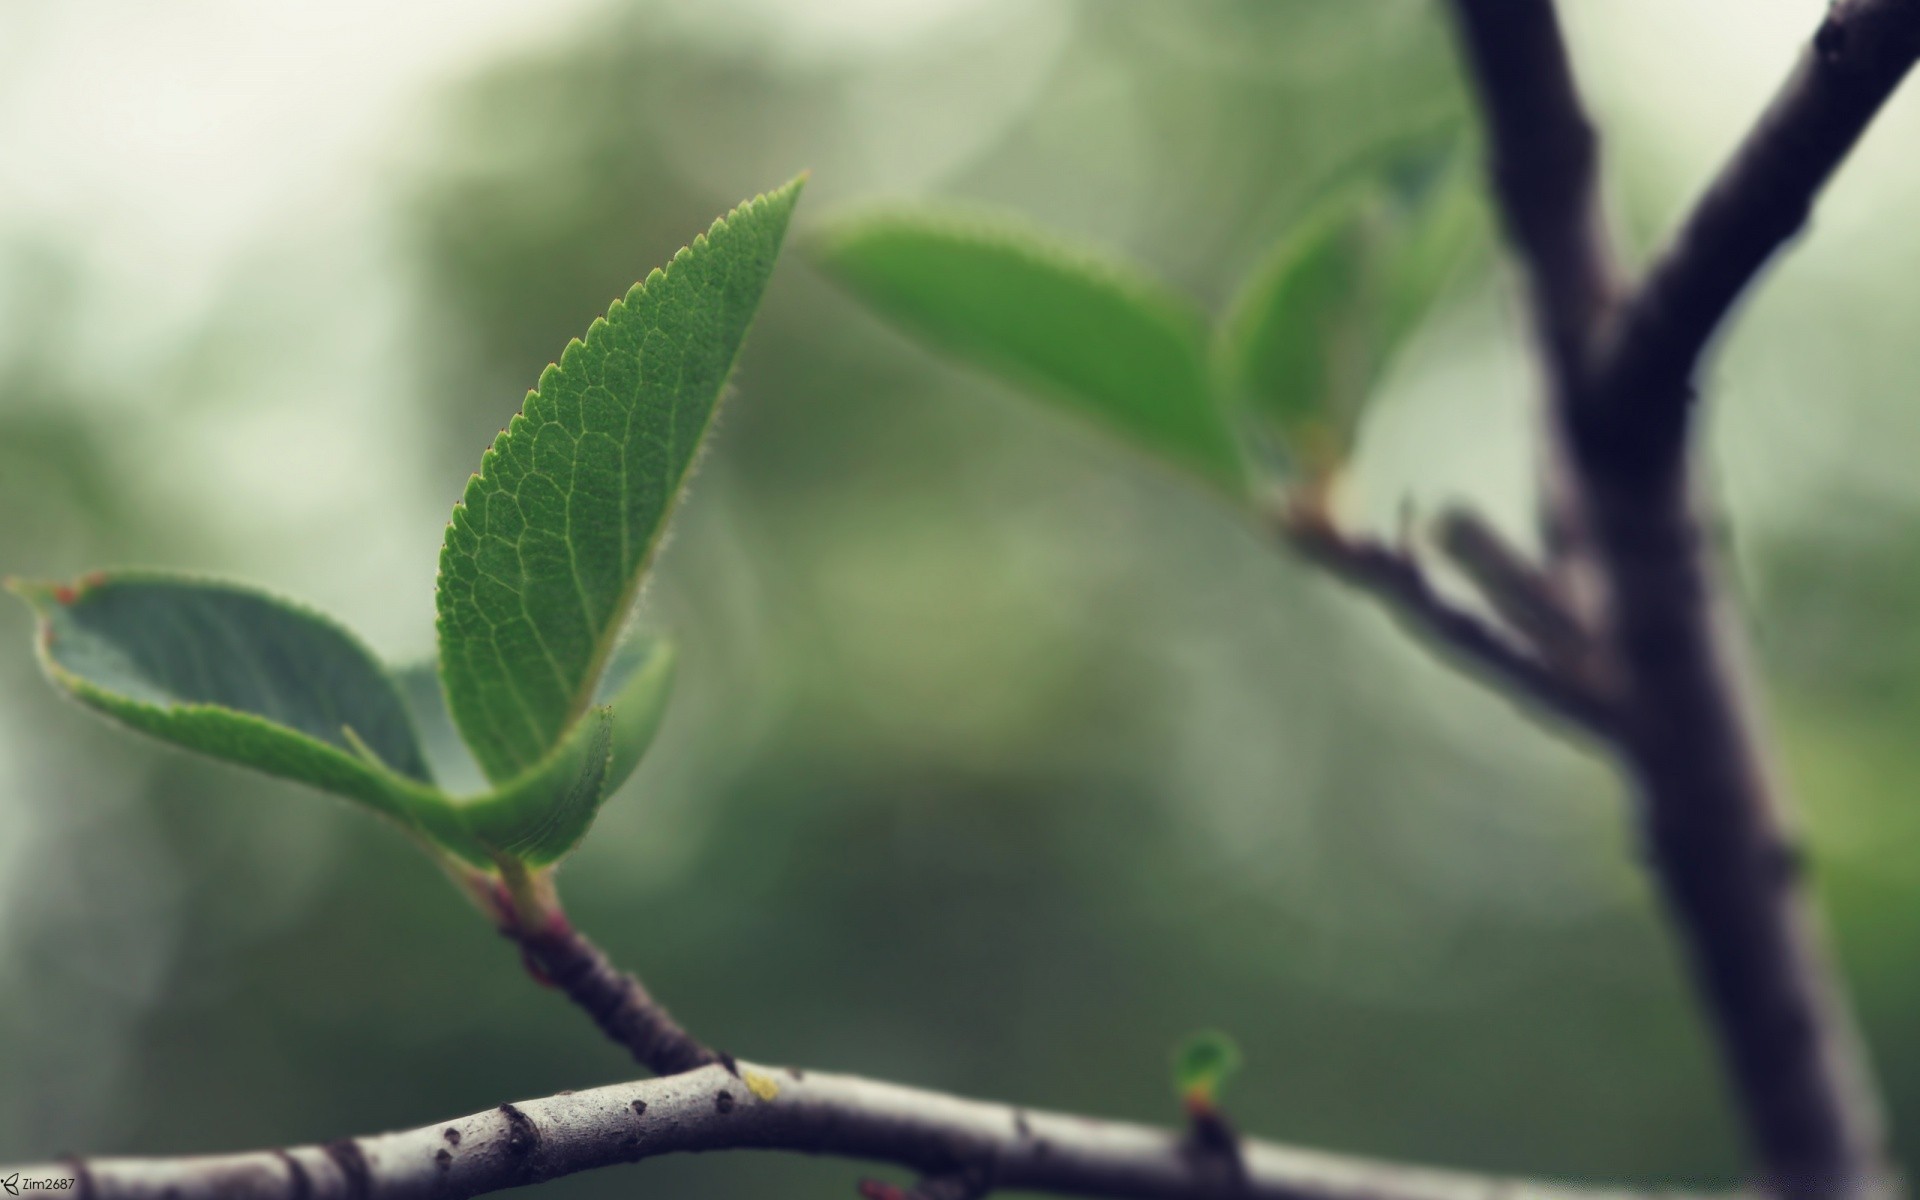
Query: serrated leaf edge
point(611, 636)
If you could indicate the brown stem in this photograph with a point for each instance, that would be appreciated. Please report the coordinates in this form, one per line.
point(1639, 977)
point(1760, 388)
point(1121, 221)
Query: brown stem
point(561, 957)
point(1529, 600)
point(1544, 160)
point(1719, 840)
point(1725, 856)
point(1643, 390)
point(1393, 575)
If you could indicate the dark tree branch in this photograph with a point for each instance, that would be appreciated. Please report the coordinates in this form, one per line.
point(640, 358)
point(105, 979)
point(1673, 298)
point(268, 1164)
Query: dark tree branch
point(1394, 576)
point(944, 1138)
point(1761, 198)
point(618, 1002)
point(1544, 159)
point(1719, 839)
point(1722, 849)
point(1525, 597)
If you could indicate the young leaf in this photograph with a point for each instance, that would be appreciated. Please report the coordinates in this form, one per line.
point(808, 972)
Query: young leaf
point(1316, 325)
point(546, 551)
point(542, 813)
point(1202, 1064)
point(251, 679)
point(1092, 333)
point(235, 674)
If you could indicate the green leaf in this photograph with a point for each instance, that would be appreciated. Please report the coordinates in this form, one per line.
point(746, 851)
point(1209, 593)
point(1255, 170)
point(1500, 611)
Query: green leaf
point(1202, 1064)
point(1316, 325)
point(1092, 333)
point(546, 551)
point(235, 674)
point(636, 689)
point(248, 678)
point(544, 812)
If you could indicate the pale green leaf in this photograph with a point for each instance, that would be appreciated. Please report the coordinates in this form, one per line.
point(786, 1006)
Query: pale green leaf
point(544, 811)
point(636, 688)
point(546, 551)
point(1307, 340)
point(234, 674)
point(248, 678)
point(1092, 333)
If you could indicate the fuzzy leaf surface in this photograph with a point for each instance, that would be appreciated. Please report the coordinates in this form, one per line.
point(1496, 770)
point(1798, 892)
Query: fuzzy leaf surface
point(543, 812)
point(546, 551)
point(235, 674)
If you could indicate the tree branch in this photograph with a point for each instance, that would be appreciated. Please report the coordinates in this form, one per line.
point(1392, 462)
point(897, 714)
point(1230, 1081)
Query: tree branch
point(1760, 199)
point(1721, 846)
point(1526, 598)
point(770, 1108)
point(1394, 576)
point(1719, 839)
point(1544, 159)
point(562, 957)
point(1544, 162)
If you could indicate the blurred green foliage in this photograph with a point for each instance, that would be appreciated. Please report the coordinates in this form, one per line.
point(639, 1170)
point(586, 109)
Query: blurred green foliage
point(1082, 329)
point(996, 761)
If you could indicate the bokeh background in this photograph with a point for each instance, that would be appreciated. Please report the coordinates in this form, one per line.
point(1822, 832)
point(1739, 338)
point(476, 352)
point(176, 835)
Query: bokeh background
point(999, 760)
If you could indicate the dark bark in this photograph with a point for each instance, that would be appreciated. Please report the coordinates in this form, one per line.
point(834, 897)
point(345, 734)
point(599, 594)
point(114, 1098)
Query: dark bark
point(616, 1001)
point(1718, 837)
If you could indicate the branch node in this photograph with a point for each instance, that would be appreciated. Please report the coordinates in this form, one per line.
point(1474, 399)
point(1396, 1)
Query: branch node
point(1212, 1146)
point(1524, 596)
point(1394, 576)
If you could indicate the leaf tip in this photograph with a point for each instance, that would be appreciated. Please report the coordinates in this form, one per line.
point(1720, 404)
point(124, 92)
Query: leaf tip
point(41, 595)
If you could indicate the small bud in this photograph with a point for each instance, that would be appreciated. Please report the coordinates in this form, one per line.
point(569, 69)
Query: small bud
point(1202, 1064)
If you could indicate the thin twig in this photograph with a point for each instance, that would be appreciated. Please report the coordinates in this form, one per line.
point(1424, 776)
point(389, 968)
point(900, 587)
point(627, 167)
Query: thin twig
point(1393, 575)
point(562, 957)
point(1761, 198)
point(1520, 592)
point(771, 1108)
point(1719, 839)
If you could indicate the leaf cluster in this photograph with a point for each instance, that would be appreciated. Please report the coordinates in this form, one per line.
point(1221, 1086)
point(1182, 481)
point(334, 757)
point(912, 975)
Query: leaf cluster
point(539, 695)
point(541, 703)
point(1277, 384)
